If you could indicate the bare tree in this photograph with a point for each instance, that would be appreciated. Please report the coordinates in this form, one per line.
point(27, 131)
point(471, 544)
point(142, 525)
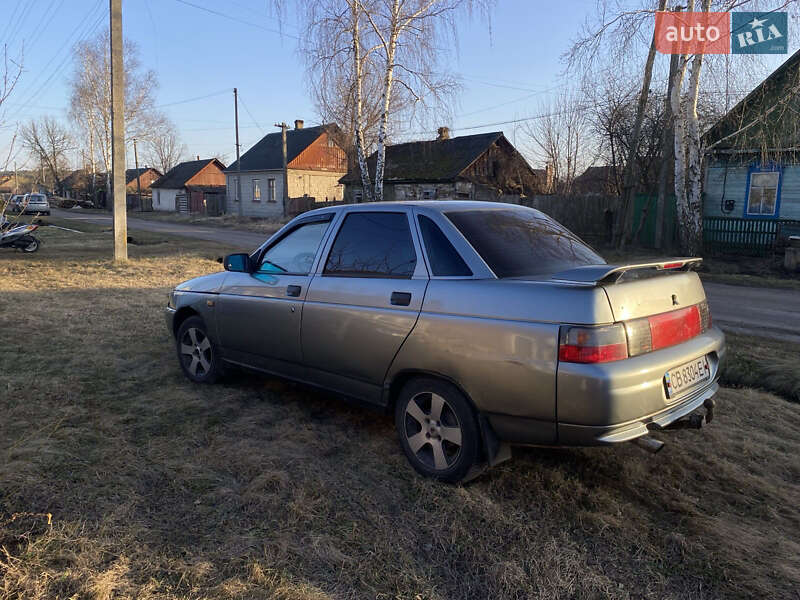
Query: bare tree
point(620, 34)
point(48, 141)
point(559, 136)
point(90, 101)
point(164, 148)
point(391, 44)
point(11, 72)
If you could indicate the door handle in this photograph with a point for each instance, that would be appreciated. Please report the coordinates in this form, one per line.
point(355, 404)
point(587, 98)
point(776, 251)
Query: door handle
point(293, 290)
point(400, 298)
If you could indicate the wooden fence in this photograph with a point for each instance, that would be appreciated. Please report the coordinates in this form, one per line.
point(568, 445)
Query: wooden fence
point(746, 236)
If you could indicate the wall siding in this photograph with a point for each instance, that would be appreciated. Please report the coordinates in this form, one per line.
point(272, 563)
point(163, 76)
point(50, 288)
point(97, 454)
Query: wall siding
point(164, 199)
point(735, 188)
point(256, 209)
point(321, 185)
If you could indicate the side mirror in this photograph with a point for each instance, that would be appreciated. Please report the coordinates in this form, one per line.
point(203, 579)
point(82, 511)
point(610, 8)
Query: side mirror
point(237, 263)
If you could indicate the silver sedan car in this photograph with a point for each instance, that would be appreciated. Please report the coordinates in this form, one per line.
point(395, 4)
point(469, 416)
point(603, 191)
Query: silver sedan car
point(478, 325)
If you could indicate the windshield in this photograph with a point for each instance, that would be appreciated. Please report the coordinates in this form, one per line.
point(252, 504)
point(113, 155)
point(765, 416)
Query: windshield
point(519, 241)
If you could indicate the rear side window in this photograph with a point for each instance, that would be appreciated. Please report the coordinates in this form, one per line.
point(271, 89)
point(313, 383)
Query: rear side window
point(520, 241)
point(445, 261)
point(373, 244)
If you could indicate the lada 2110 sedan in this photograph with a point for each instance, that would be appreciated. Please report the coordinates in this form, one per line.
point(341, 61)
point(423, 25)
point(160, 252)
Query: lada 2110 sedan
point(479, 325)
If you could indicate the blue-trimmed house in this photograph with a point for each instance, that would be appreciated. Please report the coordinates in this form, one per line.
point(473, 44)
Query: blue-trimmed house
point(751, 194)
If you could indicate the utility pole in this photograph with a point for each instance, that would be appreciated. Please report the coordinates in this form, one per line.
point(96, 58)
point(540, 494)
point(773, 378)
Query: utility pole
point(138, 176)
point(118, 133)
point(238, 162)
point(283, 127)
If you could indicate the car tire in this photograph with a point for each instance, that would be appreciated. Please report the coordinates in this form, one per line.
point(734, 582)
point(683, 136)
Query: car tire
point(437, 428)
point(197, 354)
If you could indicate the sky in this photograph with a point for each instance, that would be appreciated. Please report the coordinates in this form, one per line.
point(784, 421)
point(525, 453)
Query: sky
point(200, 50)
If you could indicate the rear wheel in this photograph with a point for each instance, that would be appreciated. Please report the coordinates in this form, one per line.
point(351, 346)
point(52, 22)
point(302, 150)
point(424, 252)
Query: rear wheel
point(437, 429)
point(196, 352)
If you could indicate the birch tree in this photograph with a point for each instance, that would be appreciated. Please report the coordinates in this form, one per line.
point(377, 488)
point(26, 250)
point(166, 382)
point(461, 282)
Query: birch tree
point(90, 100)
point(395, 45)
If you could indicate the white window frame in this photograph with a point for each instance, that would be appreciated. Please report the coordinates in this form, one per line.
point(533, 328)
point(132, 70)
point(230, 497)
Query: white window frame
point(256, 190)
point(271, 189)
point(777, 183)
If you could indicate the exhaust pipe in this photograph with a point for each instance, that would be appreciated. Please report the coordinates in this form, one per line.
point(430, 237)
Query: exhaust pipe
point(652, 445)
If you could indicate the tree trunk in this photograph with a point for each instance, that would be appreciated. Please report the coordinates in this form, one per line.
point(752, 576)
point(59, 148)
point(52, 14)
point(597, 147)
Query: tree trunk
point(386, 97)
point(359, 123)
point(666, 155)
point(694, 204)
point(680, 149)
point(625, 220)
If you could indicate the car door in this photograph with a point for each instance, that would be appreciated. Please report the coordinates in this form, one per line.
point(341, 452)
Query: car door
point(259, 313)
point(364, 301)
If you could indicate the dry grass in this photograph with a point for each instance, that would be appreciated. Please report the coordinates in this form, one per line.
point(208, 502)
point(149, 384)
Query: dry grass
point(254, 224)
point(770, 365)
point(262, 489)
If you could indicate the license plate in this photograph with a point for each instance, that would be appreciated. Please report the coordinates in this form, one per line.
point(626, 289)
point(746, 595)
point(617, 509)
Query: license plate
point(688, 375)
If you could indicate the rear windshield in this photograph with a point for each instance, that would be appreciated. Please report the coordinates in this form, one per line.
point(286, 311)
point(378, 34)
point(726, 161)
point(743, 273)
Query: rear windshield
point(520, 241)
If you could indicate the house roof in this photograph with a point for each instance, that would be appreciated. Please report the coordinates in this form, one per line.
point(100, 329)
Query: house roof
point(432, 160)
point(267, 154)
point(730, 123)
point(177, 177)
point(131, 174)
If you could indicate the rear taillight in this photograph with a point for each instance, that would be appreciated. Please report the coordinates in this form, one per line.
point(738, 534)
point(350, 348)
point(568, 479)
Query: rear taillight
point(667, 329)
point(592, 344)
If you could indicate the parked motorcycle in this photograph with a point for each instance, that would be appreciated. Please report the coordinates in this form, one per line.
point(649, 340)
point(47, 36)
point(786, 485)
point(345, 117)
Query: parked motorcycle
point(18, 236)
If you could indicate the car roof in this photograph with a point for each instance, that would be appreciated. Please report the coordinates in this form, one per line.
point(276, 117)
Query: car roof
point(437, 205)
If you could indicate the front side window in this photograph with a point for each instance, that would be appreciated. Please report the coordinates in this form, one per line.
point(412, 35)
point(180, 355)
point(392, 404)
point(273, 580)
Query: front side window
point(762, 197)
point(373, 244)
point(270, 190)
point(520, 241)
point(294, 254)
point(256, 190)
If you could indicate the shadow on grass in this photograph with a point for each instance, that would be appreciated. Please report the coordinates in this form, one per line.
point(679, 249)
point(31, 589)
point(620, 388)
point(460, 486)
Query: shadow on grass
point(261, 488)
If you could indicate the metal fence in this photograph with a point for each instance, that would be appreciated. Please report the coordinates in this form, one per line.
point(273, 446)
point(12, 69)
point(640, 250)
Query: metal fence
point(746, 236)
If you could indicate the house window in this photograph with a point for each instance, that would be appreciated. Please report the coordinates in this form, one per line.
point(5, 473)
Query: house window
point(256, 190)
point(271, 190)
point(428, 194)
point(763, 194)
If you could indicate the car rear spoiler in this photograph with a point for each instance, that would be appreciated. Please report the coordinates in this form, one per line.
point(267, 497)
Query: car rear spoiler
point(594, 275)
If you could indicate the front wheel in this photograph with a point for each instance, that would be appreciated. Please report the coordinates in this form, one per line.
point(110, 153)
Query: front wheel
point(31, 246)
point(197, 354)
point(437, 429)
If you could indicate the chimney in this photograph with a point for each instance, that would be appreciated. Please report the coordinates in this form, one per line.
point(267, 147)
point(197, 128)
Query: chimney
point(198, 157)
point(298, 123)
point(444, 133)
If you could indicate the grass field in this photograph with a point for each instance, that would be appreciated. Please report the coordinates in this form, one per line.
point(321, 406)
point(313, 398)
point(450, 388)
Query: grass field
point(256, 488)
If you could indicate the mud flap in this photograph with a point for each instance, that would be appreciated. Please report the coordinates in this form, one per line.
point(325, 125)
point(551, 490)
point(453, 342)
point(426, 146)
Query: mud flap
point(495, 451)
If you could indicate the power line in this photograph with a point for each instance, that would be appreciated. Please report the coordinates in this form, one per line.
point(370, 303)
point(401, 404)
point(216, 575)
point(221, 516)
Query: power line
point(196, 98)
point(232, 18)
point(66, 56)
point(252, 118)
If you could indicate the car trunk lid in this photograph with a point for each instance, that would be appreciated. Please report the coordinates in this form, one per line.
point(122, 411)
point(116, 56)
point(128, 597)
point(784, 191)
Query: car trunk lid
point(641, 289)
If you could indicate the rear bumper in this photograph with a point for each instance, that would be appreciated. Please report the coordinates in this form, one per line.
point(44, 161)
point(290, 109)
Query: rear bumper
point(587, 435)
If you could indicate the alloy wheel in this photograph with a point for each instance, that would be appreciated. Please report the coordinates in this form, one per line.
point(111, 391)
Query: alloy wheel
point(433, 431)
point(196, 352)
